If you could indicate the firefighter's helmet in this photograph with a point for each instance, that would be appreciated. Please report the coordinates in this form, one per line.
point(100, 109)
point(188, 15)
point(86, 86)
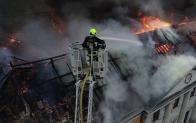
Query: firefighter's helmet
point(93, 31)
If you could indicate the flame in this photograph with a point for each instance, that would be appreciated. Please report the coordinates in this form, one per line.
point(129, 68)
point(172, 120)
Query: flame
point(152, 23)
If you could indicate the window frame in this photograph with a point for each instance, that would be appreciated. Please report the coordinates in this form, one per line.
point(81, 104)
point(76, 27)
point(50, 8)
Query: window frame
point(192, 94)
point(176, 103)
point(156, 115)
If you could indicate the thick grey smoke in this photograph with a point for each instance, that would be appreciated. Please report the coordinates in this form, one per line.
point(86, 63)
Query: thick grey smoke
point(171, 70)
point(116, 92)
point(146, 84)
point(141, 69)
point(147, 77)
point(153, 7)
point(39, 40)
point(168, 73)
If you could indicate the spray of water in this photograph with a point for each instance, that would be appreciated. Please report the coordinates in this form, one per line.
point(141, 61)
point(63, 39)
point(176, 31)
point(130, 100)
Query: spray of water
point(121, 40)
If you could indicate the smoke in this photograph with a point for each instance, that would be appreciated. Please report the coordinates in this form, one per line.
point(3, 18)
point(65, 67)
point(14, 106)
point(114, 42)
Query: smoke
point(170, 72)
point(168, 34)
point(112, 97)
point(142, 71)
point(144, 83)
point(152, 7)
point(147, 77)
point(15, 14)
point(5, 59)
point(163, 8)
point(39, 40)
point(185, 7)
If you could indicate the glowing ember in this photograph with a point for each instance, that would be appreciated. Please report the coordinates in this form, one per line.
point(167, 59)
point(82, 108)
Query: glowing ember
point(12, 39)
point(152, 23)
point(163, 49)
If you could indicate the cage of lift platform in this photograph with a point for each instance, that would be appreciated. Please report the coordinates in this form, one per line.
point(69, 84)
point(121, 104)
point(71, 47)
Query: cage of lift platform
point(81, 61)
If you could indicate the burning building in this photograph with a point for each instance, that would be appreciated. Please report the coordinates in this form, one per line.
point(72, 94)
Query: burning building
point(44, 91)
point(151, 75)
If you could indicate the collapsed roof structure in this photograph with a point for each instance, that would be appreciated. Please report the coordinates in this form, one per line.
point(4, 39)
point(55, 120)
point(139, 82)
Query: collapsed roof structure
point(44, 90)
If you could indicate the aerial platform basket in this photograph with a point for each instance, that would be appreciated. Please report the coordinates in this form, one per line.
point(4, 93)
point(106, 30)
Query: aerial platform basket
point(81, 60)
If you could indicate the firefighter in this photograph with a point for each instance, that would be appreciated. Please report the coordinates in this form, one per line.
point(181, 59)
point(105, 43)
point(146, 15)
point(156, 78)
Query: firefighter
point(93, 43)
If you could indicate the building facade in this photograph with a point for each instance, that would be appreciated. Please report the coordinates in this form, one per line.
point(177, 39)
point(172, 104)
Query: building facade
point(177, 106)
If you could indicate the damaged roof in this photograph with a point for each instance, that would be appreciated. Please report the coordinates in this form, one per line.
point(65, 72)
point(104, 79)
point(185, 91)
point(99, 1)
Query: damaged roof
point(48, 86)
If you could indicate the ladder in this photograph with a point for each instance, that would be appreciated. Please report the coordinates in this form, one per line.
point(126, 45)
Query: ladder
point(89, 68)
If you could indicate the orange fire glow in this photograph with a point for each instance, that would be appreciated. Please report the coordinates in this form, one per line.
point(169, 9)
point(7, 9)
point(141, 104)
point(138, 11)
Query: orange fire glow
point(56, 23)
point(12, 38)
point(152, 23)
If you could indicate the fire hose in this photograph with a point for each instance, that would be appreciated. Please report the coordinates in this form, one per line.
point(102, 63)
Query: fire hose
point(81, 97)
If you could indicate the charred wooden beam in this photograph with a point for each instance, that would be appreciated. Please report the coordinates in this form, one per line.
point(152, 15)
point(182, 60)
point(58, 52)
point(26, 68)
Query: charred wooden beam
point(38, 61)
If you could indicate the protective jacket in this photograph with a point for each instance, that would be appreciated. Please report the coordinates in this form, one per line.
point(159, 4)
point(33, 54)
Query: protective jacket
point(94, 43)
